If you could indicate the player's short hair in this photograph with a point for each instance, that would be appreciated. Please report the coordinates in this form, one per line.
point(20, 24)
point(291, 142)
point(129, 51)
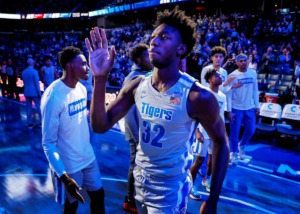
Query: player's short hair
point(209, 73)
point(67, 55)
point(218, 49)
point(137, 51)
point(184, 24)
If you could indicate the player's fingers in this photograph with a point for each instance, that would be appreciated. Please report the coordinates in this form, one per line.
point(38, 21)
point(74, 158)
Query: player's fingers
point(88, 45)
point(104, 39)
point(98, 37)
point(93, 38)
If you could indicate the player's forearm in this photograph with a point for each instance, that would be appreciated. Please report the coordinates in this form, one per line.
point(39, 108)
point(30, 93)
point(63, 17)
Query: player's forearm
point(220, 159)
point(99, 118)
point(54, 158)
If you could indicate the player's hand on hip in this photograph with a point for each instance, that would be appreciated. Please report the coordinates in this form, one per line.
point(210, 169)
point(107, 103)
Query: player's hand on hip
point(101, 59)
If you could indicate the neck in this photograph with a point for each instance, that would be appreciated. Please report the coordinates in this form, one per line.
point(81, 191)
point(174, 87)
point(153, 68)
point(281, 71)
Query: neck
point(214, 88)
point(163, 79)
point(68, 81)
point(217, 67)
point(242, 69)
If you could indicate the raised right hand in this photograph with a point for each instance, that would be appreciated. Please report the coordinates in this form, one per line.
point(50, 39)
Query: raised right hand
point(100, 58)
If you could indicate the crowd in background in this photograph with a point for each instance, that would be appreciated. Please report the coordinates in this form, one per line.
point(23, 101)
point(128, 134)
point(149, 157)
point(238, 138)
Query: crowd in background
point(272, 44)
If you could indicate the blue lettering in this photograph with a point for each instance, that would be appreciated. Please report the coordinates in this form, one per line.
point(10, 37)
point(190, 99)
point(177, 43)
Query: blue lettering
point(143, 107)
point(156, 112)
point(152, 111)
point(168, 114)
point(77, 106)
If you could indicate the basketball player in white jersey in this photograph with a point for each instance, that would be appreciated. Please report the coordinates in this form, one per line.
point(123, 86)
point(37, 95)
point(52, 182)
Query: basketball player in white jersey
point(170, 104)
point(203, 144)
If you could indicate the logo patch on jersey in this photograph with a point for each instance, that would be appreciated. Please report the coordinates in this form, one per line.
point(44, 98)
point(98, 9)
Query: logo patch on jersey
point(140, 178)
point(77, 106)
point(152, 111)
point(178, 93)
point(176, 97)
point(143, 93)
point(175, 100)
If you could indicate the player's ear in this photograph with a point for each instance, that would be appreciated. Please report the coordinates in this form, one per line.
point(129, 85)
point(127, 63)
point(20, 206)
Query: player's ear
point(181, 49)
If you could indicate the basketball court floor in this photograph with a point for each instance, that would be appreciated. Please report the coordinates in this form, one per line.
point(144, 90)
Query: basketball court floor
point(267, 182)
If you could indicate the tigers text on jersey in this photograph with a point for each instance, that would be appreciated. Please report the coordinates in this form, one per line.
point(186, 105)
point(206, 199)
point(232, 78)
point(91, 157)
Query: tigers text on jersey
point(166, 130)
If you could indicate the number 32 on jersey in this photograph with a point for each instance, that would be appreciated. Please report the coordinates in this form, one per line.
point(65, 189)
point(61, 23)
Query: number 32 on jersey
point(157, 131)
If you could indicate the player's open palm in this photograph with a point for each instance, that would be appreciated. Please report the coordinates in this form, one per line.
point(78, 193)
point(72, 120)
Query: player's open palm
point(101, 59)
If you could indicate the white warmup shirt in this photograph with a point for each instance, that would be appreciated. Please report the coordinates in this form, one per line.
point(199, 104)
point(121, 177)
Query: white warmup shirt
point(247, 96)
point(65, 130)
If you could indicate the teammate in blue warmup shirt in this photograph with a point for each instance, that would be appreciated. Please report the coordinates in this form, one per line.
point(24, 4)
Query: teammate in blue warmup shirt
point(170, 104)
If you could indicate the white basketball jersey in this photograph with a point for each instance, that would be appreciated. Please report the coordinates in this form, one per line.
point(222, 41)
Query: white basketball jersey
point(166, 130)
point(221, 98)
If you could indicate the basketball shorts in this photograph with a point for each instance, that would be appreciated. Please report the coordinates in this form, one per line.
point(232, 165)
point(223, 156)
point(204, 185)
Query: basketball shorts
point(201, 149)
point(161, 194)
point(88, 178)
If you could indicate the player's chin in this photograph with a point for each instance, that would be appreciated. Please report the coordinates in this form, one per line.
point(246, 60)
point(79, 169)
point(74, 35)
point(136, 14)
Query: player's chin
point(85, 77)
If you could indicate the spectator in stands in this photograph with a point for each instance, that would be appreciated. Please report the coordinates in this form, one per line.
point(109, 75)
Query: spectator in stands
point(193, 67)
point(255, 56)
point(252, 64)
point(297, 84)
point(284, 61)
point(32, 92)
point(230, 64)
point(268, 62)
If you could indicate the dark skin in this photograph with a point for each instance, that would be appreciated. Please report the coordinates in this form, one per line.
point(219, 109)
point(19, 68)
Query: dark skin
point(166, 47)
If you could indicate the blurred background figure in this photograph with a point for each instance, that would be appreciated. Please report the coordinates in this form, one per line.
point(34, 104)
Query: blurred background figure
point(12, 76)
point(284, 61)
point(32, 92)
point(48, 72)
point(3, 78)
point(268, 61)
point(252, 64)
